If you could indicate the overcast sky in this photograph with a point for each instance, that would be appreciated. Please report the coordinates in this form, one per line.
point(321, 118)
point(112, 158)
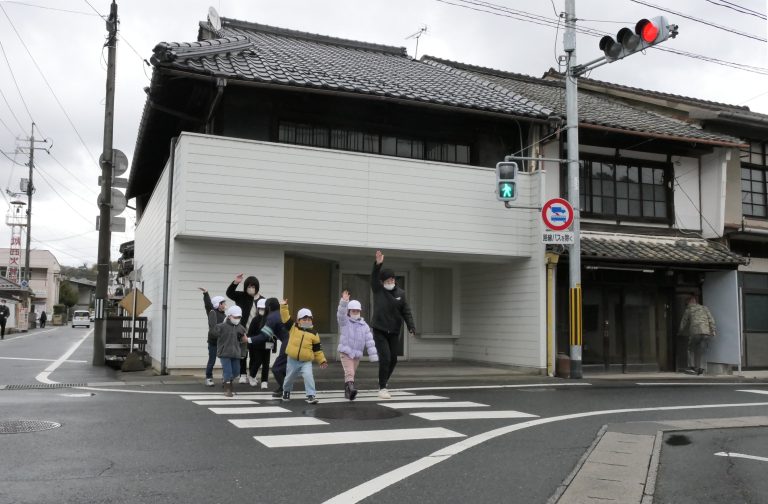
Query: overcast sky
point(59, 78)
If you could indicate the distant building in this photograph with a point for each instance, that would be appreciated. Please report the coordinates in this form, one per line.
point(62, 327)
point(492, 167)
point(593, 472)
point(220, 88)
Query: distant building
point(86, 292)
point(44, 280)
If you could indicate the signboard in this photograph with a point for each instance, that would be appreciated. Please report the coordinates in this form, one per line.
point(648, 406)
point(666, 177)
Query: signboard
point(142, 303)
point(557, 214)
point(558, 237)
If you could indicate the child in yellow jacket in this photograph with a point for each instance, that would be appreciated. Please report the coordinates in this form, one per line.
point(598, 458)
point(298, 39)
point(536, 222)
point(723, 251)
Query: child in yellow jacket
point(302, 349)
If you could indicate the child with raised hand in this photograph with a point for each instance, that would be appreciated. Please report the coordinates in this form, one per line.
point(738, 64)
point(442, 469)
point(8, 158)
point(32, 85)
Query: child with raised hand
point(302, 349)
point(355, 337)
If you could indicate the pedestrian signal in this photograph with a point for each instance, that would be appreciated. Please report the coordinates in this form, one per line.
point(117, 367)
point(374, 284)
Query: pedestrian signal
point(506, 172)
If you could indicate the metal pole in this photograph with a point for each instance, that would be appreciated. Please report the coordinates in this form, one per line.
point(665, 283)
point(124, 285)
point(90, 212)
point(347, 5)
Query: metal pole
point(29, 203)
point(572, 126)
point(105, 236)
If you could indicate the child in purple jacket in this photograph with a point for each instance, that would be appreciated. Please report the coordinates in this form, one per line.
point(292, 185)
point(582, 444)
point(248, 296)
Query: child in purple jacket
point(355, 337)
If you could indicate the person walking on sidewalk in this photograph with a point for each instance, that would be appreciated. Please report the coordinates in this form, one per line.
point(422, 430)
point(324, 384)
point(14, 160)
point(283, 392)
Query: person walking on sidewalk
point(699, 325)
point(214, 309)
point(43, 319)
point(355, 337)
point(246, 300)
point(5, 312)
point(259, 352)
point(229, 335)
point(303, 348)
point(390, 309)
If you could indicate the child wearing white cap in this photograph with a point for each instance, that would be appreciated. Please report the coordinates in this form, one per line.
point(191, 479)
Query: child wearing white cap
point(302, 349)
point(355, 337)
point(259, 352)
point(229, 336)
point(214, 308)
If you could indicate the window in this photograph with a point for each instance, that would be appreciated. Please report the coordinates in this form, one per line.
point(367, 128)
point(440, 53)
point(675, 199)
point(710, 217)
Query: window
point(374, 143)
point(624, 189)
point(753, 180)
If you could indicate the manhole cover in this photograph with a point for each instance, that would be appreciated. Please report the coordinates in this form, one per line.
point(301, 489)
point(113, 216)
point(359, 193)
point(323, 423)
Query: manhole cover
point(353, 411)
point(19, 426)
point(678, 440)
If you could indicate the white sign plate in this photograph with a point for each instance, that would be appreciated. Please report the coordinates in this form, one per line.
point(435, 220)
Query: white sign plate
point(558, 237)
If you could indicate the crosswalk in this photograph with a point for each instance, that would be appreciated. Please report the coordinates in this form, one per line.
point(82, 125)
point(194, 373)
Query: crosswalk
point(259, 411)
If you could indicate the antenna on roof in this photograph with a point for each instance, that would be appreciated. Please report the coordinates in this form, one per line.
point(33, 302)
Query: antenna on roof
point(213, 19)
point(417, 36)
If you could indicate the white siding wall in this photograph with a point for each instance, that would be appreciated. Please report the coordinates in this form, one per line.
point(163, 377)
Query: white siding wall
point(212, 265)
point(318, 196)
point(687, 194)
point(149, 246)
point(713, 177)
point(502, 314)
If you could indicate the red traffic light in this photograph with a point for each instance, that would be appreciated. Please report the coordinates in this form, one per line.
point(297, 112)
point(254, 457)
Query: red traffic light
point(647, 31)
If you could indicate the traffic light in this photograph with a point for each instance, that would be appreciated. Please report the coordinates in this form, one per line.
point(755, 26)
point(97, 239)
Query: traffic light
point(647, 33)
point(506, 189)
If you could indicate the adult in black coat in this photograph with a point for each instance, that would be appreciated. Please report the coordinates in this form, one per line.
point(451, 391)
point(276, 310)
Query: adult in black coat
point(5, 312)
point(272, 330)
point(246, 300)
point(390, 309)
point(43, 319)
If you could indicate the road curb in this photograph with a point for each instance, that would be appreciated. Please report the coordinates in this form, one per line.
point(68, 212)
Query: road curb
point(569, 479)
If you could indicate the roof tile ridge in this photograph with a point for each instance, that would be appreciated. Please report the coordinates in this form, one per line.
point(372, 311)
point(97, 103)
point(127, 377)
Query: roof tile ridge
point(487, 70)
point(312, 37)
point(485, 82)
point(170, 51)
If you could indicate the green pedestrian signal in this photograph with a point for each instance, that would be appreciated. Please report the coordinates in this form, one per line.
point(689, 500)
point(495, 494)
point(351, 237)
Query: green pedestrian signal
point(506, 172)
point(506, 190)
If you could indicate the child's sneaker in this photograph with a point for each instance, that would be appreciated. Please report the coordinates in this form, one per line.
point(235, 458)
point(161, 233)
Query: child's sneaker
point(286, 396)
point(264, 385)
point(252, 381)
point(312, 399)
point(209, 382)
point(384, 394)
point(243, 379)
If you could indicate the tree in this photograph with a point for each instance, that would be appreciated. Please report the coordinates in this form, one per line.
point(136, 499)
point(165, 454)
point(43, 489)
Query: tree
point(68, 294)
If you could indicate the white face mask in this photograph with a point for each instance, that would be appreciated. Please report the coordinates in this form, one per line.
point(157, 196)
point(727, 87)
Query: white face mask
point(261, 311)
point(235, 320)
point(389, 286)
point(251, 291)
point(305, 325)
point(355, 317)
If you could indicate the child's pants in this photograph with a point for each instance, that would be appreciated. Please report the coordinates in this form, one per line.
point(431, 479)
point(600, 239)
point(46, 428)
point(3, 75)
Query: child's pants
point(350, 366)
point(211, 360)
point(296, 367)
point(230, 367)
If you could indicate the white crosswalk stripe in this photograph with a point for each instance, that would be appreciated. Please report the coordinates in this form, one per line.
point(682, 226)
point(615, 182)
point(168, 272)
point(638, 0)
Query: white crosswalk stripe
point(258, 423)
point(376, 398)
point(472, 415)
point(353, 437)
point(257, 410)
point(434, 404)
point(765, 392)
point(225, 402)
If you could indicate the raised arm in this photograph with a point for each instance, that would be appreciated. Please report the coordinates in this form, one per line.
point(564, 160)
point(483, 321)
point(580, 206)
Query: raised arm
point(206, 300)
point(375, 280)
point(341, 312)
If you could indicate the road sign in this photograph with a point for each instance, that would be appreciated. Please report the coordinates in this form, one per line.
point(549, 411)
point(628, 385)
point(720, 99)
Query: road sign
point(558, 237)
point(557, 214)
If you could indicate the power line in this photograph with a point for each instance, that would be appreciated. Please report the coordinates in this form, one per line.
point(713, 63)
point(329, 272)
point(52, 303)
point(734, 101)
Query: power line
point(37, 166)
point(122, 37)
point(702, 21)
point(738, 8)
point(47, 8)
point(8, 128)
point(50, 88)
point(11, 159)
point(15, 82)
point(91, 189)
point(43, 176)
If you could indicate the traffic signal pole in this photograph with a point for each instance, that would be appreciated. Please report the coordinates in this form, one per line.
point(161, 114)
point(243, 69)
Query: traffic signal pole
point(105, 217)
point(572, 137)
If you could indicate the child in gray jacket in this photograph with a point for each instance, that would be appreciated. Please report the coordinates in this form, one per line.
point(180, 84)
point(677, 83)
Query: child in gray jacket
point(229, 335)
point(355, 337)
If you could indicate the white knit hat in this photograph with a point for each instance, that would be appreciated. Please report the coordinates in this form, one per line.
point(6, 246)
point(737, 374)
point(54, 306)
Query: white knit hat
point(304, 312)
point(261, 303)
point(217, 300)
point(354, 305)
point(234, 311)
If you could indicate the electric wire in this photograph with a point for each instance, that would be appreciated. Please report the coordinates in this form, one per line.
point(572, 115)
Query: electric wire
point(89, 188)
point(15, 82)
point(5, 99)
point(48, 84)
point(701, 214)
point(702, 21)
point(738, 8)
point(122, 37)
point(11, 159)
point(8, 127)
point(53, 188)
point(47, 8)
point(77, 194)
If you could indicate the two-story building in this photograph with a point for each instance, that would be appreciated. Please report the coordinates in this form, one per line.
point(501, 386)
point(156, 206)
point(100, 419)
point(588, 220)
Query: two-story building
point(294, 156)
point(44, 281)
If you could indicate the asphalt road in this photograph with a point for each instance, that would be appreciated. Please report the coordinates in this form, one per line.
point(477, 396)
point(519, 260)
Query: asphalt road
point(168, 443)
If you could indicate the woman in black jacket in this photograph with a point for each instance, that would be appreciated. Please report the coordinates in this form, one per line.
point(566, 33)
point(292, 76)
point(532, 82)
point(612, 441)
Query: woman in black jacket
point(246, 300)
point(390, 309)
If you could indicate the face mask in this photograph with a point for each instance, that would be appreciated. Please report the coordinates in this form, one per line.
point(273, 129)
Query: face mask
point(235, 321)
point(261, 311)
point(389, 286)
point(305, 325)
point(251, 291)
point(355, 317)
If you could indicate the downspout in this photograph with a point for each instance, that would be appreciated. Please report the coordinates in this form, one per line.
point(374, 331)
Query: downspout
point(167, 258)
point(221, 83)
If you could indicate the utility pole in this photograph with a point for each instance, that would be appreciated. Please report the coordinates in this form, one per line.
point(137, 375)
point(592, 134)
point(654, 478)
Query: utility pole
point(572, 127)
point(105, 206)
point(30, 189)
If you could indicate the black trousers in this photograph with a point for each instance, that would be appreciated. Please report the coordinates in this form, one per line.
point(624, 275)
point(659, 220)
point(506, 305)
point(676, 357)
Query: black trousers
point(243, 365)
point(42, 324)
point(2, 327)
point(386, 347)
point(259, 358)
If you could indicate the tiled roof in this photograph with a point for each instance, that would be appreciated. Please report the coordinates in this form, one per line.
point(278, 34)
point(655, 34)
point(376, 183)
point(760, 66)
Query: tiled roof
point(658, 251)
point(266, 54)
point(594, 108)
point(6, 284)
